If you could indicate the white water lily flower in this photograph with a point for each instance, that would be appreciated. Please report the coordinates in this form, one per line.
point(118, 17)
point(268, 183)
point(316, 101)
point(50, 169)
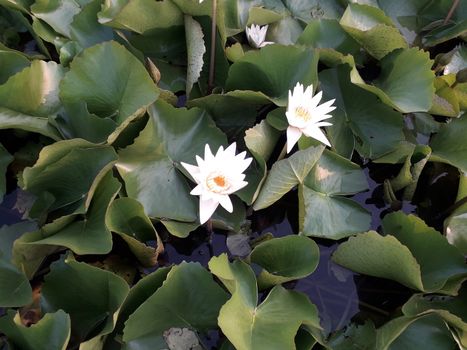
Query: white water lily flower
point(217, 177)
point(256, 36)
point(305, 115)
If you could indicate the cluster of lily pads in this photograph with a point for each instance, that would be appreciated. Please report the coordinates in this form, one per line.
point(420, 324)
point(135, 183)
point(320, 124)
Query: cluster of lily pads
point(106, 107)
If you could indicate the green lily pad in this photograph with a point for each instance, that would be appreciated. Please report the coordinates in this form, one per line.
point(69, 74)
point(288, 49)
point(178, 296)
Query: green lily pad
point(427, 332)
point(406, 255)
point(92, 297)
point(66, 172)
point(58, 14)
point(372, 29)
point(148, 166)
point(126, 217)
point(16, 290)
point(456, 224)
point(12, 62)
point(321, 199)
point(139, 293)
point(178, 303)
point(110, 82)
point(406, 81)
point(272, 324)
point(285, 259)
point(86, 235)
point(257, 71)
point(328, 33)
point(449, 145)
point(285, 175)
point(360, 120)
point(195, 49)
point(52, 332)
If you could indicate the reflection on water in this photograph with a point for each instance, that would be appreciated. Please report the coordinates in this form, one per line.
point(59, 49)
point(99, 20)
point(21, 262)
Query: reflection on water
point(9, 215)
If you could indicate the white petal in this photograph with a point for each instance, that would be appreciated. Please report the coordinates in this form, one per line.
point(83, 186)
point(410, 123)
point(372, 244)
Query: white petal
point(293, 134)
point(317, 134)
point(320, 124)
point(264, 43)
point(243, 165)
point(230, 151)
point(308, 92)
point(206, 209)
point(297, 91)
point(226, 203)
point(237, 186)
point(197, 191)
point(315, 100)
point(208, 156)
point(192, 169)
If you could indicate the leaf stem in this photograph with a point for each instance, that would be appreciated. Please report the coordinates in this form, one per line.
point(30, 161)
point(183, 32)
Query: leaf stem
point(212, 58)
point(455, 3)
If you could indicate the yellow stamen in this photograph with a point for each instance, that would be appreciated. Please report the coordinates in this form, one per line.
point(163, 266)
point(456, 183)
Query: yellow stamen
point(217, 183)
point(302, 113)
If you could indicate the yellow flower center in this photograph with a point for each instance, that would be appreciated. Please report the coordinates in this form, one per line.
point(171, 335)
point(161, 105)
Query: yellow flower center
point(302, 113)
point(217, 183)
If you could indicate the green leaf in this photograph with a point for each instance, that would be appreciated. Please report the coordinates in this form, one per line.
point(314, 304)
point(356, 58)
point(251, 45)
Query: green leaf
point(11, 62)
point(327, 33)
point(372, 254)
point(110, 82)
point(258, 71)
point(406, 255)
point(195, 49)
point(360, 119)
point(354, 336)
point(139, 293)
point(89, 233)
point(58, 14)
point(148, 166)
point(285, 259)
point(272, 324)
point(286, 174)
point(65, 173)
point(34, 90)
point(405, 82)
point(140, 16)
point(372, 29)
point(126, 217)
point(260, 140)
point(52, 332)
point(422, 241)
point(449, 145)
point(456, 224)
point(16, 290)
point(5, 159)
point(92, 297)
point(321, 201)
point(10, 119)
point(179, 304)
point(427, 332)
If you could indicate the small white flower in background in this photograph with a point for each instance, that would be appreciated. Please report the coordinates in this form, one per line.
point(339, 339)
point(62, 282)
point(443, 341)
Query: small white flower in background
point(200, 1)
point(217, 177)
point(256, 36)
point(305, 115)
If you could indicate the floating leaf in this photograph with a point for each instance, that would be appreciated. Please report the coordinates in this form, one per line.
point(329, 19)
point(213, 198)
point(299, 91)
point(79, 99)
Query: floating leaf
point(449, 145)
point(272, 324)
point(360, 120)
point(372, 29)
point(12, 62)
point(257, 71)
point(110, 82)
point(178, 303)
point(456, 224)
point(406, 256)
point(92, 297)
point(16, 290)
point(86, 235)
point(148, 166)
point(285, 259)
point(52, 332)
point(126, 217)
point(321, 201)
point(286, 174)
point(405, 82)
point(57, 14)
point(65, 173)
point(196, 49)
